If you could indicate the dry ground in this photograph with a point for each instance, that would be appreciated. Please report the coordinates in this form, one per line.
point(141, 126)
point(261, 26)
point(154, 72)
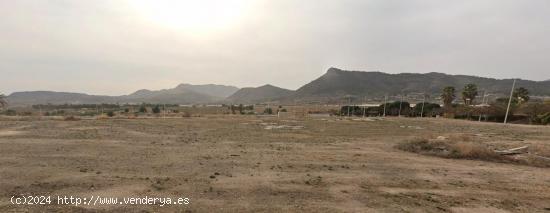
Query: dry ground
point(253, 164)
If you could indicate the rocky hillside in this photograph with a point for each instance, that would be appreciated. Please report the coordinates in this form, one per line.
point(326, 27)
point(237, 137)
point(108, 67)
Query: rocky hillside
point(259, 94)
point(336, 83)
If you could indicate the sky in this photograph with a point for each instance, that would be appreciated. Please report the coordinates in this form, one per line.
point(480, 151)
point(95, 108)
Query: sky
point(110, 47)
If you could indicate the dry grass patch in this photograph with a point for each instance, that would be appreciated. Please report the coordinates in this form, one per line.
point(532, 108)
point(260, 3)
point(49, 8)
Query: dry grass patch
point(71, 118)
point(468, 149)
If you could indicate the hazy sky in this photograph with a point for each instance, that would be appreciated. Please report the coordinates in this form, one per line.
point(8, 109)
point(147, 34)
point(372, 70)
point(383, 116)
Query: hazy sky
point(117, 47)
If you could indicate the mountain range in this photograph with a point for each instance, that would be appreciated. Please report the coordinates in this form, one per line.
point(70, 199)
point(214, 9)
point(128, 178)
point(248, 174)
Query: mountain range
point(331, 87)
point(181, 94)
point(337, 83)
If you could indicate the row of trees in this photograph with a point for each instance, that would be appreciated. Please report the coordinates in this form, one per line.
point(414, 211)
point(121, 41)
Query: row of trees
point(249, 109)
point(470, 93)
point(242, 109)
point(536, 112)
point(522, 109)
point(396, 108)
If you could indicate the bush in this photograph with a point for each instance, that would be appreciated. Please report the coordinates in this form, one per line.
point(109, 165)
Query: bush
point(392, 109)
point(538, 113)
point(352, 110)
point(430, 109)
point(268, 111)
point(10, 112)
point(71, 118)
point(544, 119)
point(186, 114)
point(449, 149)
point(110, 113)
point(156, 109)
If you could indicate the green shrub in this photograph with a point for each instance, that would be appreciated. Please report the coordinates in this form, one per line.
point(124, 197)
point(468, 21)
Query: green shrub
point(156, 109)
point(544, 118)
point(10, 112)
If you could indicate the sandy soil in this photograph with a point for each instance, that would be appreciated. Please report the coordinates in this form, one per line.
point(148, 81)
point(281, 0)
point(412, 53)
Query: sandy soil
point(251, 164)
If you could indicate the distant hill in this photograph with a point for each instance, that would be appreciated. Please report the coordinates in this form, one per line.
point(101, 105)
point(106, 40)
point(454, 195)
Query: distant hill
point(213, 90)
point(259, 94)
point(169, 96)
point(182, 94)
point(44, 97)
point(331, 87)
point(337, 83)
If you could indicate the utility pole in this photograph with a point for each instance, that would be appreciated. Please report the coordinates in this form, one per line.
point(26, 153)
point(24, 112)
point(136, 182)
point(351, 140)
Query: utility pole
point(423, 103)
point(385, 100)
point(164, 111)
point(349, 115)
point(509, 102)
point(365, 107)
point(400, 105)
point(482, 103)
point(341, 104)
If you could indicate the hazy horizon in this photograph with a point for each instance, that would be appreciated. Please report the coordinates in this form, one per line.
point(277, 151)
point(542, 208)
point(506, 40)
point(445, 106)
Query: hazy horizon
point(117, 47)
point(173, 86)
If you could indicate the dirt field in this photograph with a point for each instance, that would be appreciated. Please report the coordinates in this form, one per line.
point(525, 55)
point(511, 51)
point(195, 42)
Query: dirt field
point(253, 164)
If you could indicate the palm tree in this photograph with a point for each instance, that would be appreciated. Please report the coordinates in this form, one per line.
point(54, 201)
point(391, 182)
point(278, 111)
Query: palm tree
point(521, 95)
point(469, 94)
point(448, 96)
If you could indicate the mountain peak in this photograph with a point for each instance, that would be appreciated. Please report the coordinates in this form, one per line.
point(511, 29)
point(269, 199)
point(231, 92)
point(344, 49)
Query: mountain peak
point(268, 86)
point(334, 70)
point(183, 85)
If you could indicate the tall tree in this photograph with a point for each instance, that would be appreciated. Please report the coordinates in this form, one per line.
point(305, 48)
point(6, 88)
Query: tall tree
point(521, 95)
point(142, 108)
point(469, 94)
point(156, 109)
point(448, 96)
